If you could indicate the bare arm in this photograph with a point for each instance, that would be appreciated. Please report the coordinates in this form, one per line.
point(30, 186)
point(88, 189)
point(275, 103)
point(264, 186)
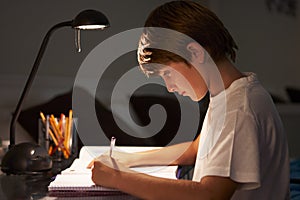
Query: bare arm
point(109, 173)
point(178, 154)
point(148, 187)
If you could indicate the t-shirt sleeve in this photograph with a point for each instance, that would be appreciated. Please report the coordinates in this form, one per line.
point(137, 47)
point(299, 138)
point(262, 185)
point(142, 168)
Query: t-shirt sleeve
point(235, 154)
point(245, 163)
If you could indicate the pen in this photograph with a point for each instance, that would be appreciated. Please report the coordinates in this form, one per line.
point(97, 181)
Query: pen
point(112, 145)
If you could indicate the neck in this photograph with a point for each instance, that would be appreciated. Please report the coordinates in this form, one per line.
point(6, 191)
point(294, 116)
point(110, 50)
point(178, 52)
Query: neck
point(229, 73)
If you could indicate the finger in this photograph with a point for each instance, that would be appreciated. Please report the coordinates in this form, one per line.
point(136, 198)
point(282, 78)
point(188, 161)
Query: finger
point(91, 164)
point(93, 177)
point(97, 164)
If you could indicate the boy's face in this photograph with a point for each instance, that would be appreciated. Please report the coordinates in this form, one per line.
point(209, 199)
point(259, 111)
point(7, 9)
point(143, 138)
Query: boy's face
point(184, 79)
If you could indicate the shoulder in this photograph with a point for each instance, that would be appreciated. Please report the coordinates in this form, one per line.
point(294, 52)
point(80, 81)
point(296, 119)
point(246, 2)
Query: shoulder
point(248, 95)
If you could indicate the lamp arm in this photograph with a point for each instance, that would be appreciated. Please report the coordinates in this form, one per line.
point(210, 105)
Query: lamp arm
point(31, 78)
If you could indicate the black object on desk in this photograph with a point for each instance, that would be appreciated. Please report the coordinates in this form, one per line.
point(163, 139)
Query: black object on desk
point(26, 158)
point(34, 186)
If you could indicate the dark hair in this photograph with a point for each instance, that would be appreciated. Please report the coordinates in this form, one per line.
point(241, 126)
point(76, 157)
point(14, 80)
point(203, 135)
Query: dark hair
point(193, 20)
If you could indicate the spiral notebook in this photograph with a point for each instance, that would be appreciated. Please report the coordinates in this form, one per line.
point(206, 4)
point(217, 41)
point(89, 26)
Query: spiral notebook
point(76, 180)
point(78, 185)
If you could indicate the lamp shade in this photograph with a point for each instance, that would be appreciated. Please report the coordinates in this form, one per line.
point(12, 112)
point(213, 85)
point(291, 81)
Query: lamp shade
point(90, 19)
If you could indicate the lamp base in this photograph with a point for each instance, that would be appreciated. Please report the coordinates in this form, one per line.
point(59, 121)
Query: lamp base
point(26, 158)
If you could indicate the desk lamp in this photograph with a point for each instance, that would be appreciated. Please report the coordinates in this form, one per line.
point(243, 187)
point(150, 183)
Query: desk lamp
point(29, 158)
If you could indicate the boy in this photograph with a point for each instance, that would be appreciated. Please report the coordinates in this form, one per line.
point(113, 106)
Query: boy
point(242, 155)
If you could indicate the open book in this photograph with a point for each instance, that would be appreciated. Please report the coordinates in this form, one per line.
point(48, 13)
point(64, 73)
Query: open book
point(76, 180)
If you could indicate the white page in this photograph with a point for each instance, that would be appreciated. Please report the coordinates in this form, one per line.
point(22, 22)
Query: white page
point(78, 176)
point(87, 153)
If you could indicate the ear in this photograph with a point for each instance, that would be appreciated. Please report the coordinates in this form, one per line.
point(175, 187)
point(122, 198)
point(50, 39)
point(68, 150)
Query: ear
point(197, 52)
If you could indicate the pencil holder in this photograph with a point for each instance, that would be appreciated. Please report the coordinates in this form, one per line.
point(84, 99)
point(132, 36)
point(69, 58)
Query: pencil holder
point(58, 136)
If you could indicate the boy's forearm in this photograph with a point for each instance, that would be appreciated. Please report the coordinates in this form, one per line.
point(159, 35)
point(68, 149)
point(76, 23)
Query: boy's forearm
point(139, 185)
point(148, 187)
point(183, 153)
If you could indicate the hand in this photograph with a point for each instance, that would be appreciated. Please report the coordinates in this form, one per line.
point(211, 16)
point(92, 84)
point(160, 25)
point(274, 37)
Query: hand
point(106, 171)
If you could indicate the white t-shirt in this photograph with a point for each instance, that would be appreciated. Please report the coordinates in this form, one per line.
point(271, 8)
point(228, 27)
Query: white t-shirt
point(242, 137)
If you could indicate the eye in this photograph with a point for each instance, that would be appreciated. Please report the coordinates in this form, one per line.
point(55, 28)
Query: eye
point(166, 73)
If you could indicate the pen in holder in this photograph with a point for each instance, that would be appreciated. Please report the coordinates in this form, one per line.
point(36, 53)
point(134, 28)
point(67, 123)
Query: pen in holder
point(58, 136)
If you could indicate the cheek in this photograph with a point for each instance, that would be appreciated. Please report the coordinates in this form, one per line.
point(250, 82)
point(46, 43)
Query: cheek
point(168, 81)
point(165, 81)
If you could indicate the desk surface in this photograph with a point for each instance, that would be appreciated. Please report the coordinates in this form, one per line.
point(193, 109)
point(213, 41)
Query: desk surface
point(29, 186)
point(32, 187)
point(36, 186)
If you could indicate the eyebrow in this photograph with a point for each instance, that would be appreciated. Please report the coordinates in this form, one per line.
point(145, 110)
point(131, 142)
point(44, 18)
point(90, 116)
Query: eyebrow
point(167, 71)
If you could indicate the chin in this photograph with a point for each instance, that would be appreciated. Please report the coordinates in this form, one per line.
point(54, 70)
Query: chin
point(198, 98)
point(193, 98)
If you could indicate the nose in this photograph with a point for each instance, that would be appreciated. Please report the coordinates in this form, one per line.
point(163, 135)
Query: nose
point(170, 87)
point(169, 84)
